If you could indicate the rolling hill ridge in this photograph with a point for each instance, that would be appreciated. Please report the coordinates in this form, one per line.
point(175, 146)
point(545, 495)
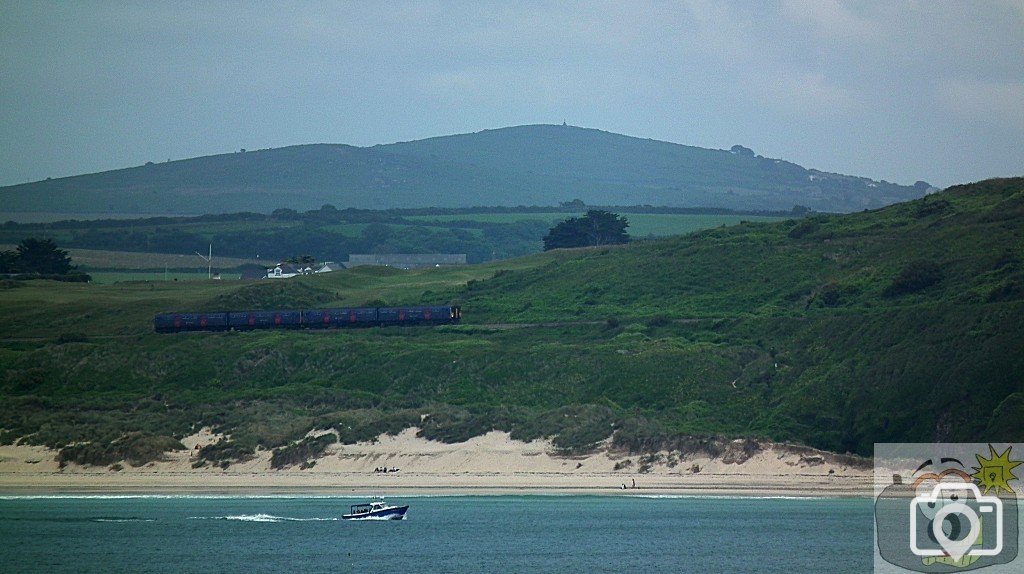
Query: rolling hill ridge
point(837, 331)
point(525, 165)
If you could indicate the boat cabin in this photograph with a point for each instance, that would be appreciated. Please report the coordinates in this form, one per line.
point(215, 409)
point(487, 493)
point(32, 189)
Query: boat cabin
point(366, 508)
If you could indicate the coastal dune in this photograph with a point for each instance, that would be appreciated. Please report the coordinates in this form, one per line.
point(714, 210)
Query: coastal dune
point(488, 464)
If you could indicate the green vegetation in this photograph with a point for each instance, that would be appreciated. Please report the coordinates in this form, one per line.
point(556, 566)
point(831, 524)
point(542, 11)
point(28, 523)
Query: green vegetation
point(135, 448)
point(110, 277)
point(164, 245)
point(597, 227)
point(128, 261)
point(832, 331)
point(252, 240)
point(526, 165)
point(302, 453)
point(35, 258)
point(644, 222)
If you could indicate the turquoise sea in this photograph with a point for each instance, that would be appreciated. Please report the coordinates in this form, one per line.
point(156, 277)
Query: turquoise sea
point(440, 534)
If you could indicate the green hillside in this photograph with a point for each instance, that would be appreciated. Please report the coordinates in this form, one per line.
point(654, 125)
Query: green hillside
point(526, 165)
point(901, 324)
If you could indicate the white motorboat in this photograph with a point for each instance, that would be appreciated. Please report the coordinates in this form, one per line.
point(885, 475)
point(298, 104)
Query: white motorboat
point(376, 510)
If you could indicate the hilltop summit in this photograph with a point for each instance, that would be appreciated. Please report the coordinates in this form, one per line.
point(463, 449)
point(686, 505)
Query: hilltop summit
point(524, 165)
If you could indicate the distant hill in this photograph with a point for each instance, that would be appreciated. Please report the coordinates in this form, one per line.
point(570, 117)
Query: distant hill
point(526, 165)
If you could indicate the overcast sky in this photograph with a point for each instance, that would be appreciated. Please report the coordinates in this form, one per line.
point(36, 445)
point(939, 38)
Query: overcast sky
point(901, 91)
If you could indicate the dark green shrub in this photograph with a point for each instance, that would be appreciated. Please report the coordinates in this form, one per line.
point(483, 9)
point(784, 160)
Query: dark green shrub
point(223, 452)
point(270, 295)
point(658, 321)
point(648, 461)
point(916, 276)
point(302, 452)
point(140, 448)
point(830, 294)
point(639, 434)
point(454, 425)
point(367, 425)
point(573, 429)
point(1006, 259)
point(1005, 291)
point(930, 207)
point(136, 449)
point(804, 228)
point(7, 437)
point(1006, 420)
point(86, 454)
point(582, 433)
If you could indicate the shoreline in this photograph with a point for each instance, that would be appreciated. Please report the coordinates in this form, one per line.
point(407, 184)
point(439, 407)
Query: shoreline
point(491, 465)
point(215, 495)
point(254, 487)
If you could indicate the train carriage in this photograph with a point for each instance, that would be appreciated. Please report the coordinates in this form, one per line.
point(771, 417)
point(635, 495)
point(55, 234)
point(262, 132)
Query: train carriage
point(337, 318)
point(417, 315)
point(174, 322)
point(307, 319)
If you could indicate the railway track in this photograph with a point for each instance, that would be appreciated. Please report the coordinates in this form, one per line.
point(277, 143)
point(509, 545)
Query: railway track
point(485, 326)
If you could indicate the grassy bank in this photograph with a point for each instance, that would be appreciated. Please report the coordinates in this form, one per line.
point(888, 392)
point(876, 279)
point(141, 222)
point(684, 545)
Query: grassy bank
point(836, 331)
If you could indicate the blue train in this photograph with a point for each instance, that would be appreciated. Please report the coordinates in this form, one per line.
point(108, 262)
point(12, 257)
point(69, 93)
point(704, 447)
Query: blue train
point(306, 319)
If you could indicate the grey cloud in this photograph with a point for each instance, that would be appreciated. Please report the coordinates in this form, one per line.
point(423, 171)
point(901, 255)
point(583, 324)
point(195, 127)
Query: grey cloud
point(893, 91)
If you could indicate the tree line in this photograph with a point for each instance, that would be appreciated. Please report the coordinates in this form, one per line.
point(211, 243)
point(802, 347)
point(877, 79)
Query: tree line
point(485, 242)
point(40, 258)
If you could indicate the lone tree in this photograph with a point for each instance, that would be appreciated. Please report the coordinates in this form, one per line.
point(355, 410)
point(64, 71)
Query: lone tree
point(37, 256)
point(8, 261)
point(301, 260)
point(597, 227)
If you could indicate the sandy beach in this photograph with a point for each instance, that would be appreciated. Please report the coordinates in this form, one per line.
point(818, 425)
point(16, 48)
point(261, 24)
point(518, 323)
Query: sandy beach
point(489, 464)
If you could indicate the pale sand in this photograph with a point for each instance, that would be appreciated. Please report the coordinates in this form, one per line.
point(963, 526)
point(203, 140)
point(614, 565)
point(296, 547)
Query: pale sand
point(490, 464)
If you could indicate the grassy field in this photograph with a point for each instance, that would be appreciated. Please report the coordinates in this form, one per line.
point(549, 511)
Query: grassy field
point(108, 277)
point(91, 259)
point(550, 218)
point(156, 244)
point(104, 264)
point(641, 225)
point(899, 325)
point(325, 234)
point(51, 216)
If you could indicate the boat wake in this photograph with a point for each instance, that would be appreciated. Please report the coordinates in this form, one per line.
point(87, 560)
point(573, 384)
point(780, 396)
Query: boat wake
point(262, 518)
